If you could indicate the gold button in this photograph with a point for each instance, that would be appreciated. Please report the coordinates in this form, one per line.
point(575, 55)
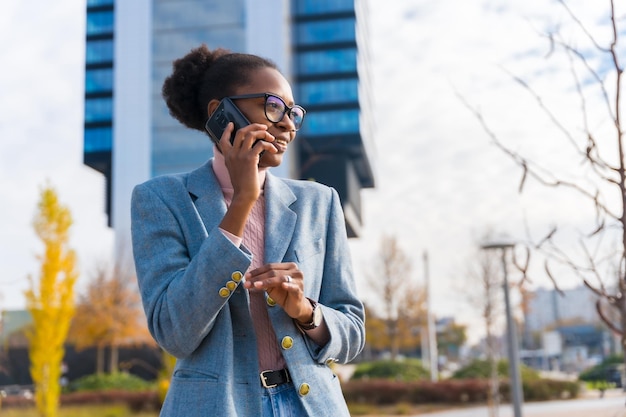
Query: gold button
point(287, 342)
point(231, 285)
point(270, 301)
point(304, 389)
point(224, 292)
point(236, 276)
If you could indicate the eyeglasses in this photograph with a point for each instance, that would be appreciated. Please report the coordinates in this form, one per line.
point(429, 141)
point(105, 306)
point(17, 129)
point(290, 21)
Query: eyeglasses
point(276, 108)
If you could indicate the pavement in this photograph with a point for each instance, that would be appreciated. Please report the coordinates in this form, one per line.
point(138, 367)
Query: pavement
point(613, 404)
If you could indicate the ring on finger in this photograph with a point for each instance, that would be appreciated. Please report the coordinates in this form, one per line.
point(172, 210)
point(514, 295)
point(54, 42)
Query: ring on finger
point(288, 278)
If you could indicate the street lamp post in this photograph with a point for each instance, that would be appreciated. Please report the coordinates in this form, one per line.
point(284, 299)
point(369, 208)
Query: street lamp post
point(513, 348)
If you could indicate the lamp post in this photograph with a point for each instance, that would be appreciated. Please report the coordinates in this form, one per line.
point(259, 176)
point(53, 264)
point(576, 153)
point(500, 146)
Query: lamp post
point(433, 354)
point(512, 348)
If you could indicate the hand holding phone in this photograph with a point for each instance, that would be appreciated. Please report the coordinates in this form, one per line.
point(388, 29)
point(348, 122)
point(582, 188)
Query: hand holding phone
point(225, 113)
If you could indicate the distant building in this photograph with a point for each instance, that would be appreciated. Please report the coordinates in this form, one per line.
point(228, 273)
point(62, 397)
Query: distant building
point(13, 325)
point(547, 307)
point(564, 332)
point(320, 45)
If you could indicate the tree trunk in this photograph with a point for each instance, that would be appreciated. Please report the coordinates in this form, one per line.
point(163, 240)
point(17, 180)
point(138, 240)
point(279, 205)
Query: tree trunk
point(393, 338)
point(99, 360)
point(114, 360)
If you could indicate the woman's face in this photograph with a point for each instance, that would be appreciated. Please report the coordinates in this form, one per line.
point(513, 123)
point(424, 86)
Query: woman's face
point(268, 80)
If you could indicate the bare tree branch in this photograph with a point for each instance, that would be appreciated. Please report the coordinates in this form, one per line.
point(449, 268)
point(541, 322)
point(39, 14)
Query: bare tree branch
point(533, 169)
point(600, 258)
point(582, 27)
point(606, 319)
point(556, 286)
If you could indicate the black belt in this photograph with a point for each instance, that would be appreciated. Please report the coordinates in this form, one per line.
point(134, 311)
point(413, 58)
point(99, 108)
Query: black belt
point(271, 379)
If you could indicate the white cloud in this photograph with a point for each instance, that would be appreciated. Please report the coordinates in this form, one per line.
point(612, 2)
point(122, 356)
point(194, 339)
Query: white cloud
point(41, 113)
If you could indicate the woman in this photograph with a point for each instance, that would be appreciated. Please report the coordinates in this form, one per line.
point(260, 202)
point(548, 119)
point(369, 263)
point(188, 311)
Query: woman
point(245, 277)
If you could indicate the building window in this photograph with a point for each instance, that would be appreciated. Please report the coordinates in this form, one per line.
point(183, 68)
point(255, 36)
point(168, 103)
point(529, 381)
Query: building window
point(98, 139)
point(326, 62)
point(91, 3)
point(322, 6)
point(189, 14)
point(98, 109)
point(99, 23)
point(170, 45)
point(175, 150)
point(327, 31)
point(99, 51)
point(328, 92)
point(98, 80)
point(331, 122)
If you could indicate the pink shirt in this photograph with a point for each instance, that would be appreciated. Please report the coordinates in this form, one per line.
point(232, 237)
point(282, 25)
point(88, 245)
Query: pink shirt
point(269, 353)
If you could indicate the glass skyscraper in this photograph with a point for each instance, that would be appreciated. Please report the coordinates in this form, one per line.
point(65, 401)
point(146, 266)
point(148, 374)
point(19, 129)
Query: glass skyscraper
point(330, 81)
point(129, 135)
point(98, 132)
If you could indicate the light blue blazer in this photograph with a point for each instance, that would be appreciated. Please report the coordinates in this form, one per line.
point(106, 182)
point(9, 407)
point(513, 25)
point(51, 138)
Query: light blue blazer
point(183, 261)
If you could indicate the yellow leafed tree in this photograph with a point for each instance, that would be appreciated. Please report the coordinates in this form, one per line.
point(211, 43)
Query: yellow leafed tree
point(50, 300)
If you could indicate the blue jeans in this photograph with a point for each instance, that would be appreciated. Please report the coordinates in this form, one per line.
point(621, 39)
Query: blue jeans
point(282, 401)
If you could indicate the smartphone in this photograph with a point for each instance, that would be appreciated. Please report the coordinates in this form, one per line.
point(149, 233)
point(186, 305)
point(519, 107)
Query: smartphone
point(226, 112)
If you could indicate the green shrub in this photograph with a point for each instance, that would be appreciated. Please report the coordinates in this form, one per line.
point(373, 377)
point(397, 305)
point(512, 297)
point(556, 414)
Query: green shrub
point(404, 370)
point(116, 381)
point(479, 369)
point(381, 392)
point(134, 400)
point(600, 385)
point(550, 389)
point(482, 369)
point(608, 370)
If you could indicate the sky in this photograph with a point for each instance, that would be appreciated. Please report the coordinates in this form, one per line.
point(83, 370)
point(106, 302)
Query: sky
point(441, 183)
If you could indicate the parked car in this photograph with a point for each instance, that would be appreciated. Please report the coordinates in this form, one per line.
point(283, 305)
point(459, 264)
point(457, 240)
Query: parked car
point(16, 390)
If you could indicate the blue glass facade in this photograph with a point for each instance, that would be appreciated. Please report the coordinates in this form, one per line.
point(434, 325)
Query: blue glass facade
point(328, 92)
point(179, 26)
point(99, 52)
point(99, 80)
point(336, 30)
point(100, 141)
point(98, 123)
point(100, 22)
point(92, 3)
point(325, 62)
point(318, 7)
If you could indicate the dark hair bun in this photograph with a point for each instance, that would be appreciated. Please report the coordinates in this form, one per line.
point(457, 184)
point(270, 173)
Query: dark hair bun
point(203, 75)
point(182, 88)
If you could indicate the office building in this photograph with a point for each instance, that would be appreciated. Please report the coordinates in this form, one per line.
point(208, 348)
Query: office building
point(319, 46)
point(562, 330)
point(549, 308)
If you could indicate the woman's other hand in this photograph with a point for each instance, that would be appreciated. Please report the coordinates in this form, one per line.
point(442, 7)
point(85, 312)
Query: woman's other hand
point(284, 282)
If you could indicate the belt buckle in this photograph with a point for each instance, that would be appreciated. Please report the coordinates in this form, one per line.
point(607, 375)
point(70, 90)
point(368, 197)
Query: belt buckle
point(264, 380)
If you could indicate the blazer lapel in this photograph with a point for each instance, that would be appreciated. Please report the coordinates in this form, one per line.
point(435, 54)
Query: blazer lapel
point(280, 220)
point(205, 192)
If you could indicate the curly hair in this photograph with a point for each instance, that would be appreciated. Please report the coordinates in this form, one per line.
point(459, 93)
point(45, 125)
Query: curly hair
point(203, 75)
